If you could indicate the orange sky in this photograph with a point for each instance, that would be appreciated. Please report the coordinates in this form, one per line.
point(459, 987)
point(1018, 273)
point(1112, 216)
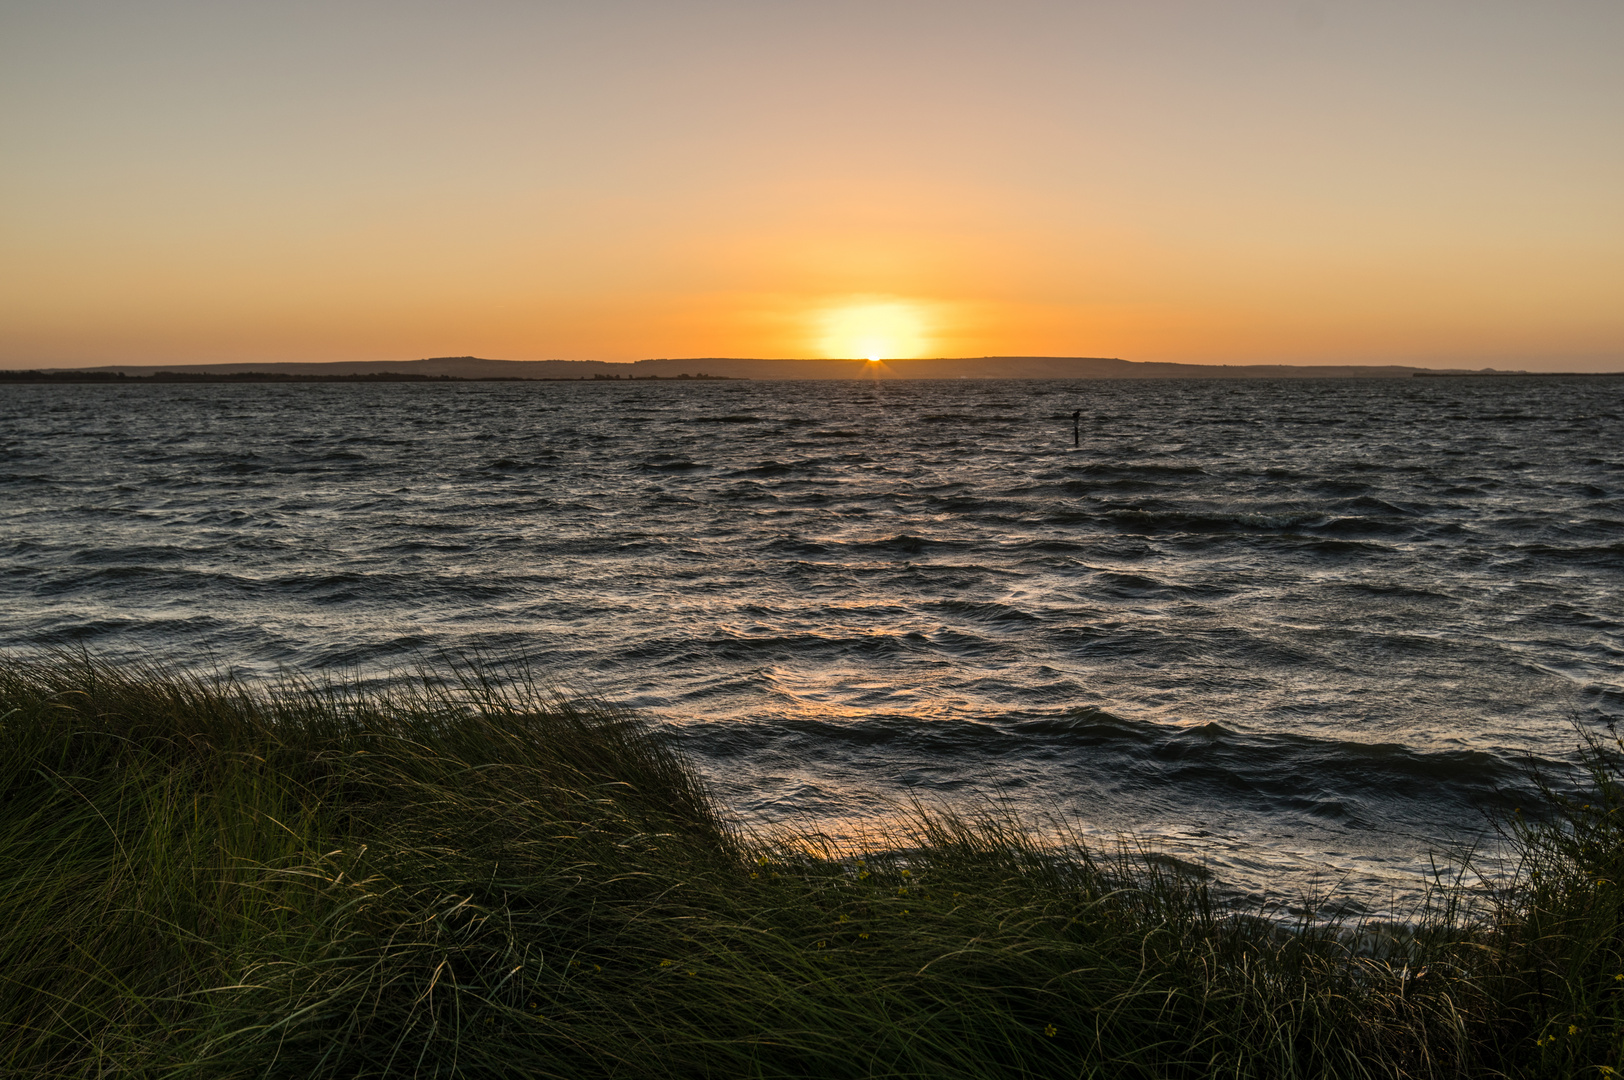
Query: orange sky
point(1241, 182)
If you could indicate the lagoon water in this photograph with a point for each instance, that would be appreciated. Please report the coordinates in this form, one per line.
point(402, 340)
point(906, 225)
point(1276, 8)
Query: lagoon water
point(1302, 632)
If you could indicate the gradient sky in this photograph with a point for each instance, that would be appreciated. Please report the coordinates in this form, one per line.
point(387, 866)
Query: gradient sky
point(1201, 181)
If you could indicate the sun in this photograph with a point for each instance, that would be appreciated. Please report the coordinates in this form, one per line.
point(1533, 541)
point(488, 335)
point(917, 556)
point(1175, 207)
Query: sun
point(875, 330)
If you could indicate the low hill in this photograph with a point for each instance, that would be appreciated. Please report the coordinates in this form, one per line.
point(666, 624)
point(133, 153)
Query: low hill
point(982, 367)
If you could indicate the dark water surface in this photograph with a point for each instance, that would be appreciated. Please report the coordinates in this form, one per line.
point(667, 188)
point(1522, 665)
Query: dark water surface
point(1291, 628)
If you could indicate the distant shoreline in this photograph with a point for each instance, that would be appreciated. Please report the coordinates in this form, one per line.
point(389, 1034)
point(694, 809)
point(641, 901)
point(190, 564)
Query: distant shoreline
point(1518, 375)
point(474, 368)
point(692, 369)
point(119, 378)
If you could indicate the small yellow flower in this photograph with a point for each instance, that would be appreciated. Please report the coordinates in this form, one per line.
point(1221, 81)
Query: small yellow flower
point(864, 935)
point(667, 963)
point(1606, 1070)
point(844, 918)
point(761, 860)
point(1573, 1029)
point(822, 944)
point(906, 873)
point(1050, 1030)
point(905, 911)
point(861, 874)
point(754, 874)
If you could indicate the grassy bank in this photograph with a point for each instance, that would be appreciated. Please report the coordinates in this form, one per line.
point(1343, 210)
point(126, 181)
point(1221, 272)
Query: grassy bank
point(459, 880)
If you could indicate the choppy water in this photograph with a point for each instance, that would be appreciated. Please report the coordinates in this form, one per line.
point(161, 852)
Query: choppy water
point(1290, 628)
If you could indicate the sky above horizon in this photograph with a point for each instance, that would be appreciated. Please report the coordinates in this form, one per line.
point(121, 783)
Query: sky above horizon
point(1257, 181)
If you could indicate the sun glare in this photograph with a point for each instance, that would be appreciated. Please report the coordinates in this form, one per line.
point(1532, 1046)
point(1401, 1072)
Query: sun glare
point(874, 331)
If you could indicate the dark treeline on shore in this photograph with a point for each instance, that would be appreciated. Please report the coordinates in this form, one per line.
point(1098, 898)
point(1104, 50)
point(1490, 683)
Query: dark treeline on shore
point(472, 878)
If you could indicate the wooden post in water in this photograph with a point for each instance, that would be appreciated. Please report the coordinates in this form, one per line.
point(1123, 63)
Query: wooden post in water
point(1076, 433)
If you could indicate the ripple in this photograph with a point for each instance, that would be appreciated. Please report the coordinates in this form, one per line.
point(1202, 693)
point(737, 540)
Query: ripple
point(1288, 617)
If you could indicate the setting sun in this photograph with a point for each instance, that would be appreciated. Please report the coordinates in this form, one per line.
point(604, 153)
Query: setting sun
point(874, 331)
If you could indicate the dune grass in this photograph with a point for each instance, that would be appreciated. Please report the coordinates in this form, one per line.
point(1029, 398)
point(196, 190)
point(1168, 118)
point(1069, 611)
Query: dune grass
point(471, 877)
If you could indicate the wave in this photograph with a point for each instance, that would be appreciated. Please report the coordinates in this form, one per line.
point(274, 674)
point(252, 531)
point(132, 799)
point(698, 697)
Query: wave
point(1279, 557)
point(1355, 784)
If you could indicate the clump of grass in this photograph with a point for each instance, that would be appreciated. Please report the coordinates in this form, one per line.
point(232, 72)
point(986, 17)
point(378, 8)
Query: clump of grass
point(1552, 962)
point(471, 877)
